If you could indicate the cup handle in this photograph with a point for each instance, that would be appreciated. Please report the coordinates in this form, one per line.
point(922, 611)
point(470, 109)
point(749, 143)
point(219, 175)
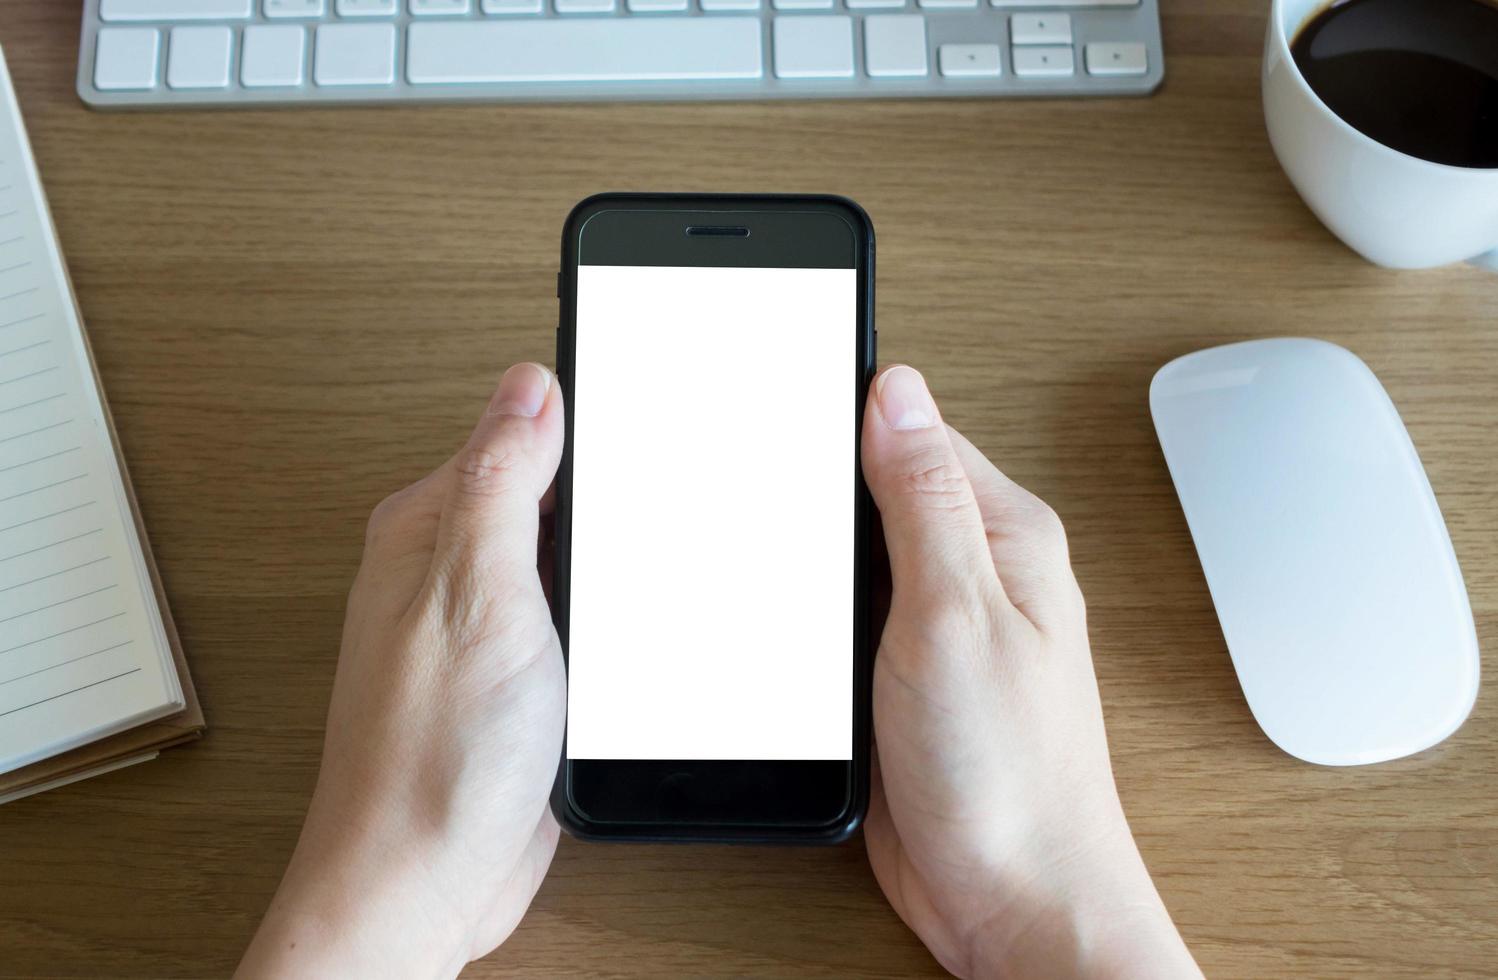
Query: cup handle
point(1487, 260)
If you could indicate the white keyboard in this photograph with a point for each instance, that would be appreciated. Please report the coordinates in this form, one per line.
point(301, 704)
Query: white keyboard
point(163, 53)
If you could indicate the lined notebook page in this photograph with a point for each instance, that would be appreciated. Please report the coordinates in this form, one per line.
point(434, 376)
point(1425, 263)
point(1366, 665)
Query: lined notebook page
point(83, 653)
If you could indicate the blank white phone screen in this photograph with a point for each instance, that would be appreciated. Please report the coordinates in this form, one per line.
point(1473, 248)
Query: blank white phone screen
point(711, 611)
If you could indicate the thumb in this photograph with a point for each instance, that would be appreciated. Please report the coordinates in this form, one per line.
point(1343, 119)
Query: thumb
point(491, 517)
point(932, 526)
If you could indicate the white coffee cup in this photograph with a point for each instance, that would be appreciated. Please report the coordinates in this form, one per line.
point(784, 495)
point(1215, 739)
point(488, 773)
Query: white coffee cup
point(1394, 209)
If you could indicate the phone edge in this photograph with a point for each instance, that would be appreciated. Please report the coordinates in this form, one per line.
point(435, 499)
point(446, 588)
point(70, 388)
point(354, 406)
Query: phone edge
point(842, 829)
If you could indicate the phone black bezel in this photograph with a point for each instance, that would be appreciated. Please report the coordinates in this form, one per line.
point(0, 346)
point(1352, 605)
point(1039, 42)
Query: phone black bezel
point(695, 789)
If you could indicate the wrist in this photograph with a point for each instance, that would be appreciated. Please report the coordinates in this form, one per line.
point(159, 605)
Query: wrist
point(358, 900)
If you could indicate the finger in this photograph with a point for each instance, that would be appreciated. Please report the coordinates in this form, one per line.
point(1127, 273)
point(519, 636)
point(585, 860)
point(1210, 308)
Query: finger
point(529, 872)
point(1026, 539)
point(398, 542)
point(932, 527)
point(898, 877)
point(491, 516)
point(882, 841)
point(404, 522)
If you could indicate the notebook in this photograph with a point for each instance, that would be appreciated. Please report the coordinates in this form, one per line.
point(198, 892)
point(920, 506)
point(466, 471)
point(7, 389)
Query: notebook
point(91, 674)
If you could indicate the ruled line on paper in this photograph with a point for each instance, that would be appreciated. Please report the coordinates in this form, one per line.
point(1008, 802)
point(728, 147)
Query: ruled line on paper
point(17, 350)
point(20, 292)
point(43, 578)
point(13, 268)
point(54, 605)
point(23, 435)
point(24, 319)
point(39, 459)
point(66, 693)
point(86, 656)
point(48, 486)
point(44, 517)
point(49, 398)
point(23, 554)
point(32, 643)
point(33, 374)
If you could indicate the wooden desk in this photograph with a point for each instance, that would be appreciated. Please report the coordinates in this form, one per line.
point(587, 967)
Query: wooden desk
point(297, 312)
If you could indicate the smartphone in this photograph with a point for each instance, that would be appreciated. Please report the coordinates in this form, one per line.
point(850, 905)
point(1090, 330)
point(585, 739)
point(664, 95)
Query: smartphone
point(711, 526)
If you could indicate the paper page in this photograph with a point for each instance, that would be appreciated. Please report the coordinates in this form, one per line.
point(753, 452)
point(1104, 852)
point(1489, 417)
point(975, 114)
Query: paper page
point(83, 653)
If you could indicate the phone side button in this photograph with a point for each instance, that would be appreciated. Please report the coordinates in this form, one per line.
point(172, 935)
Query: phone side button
point(559, 285)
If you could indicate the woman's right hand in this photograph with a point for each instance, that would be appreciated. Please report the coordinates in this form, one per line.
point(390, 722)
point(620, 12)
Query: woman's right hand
point(995, 828)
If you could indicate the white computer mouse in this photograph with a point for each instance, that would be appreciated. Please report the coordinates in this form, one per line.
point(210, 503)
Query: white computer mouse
point(1323, 546)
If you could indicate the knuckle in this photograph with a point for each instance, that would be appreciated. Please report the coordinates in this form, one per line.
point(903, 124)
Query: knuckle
point(483, 473)
point(1032, 523)
point(385, 517)
point(1048, 524)
point(934, 477)
point(1076, 602)
point(481, 613)
point(387, 510)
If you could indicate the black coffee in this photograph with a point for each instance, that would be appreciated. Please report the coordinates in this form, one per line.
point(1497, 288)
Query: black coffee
point(1420, 76)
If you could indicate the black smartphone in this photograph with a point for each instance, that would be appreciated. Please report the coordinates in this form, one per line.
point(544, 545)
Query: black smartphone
point(712, 523)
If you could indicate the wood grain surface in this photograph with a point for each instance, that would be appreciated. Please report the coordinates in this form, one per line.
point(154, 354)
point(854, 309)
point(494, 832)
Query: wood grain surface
point(297, 312)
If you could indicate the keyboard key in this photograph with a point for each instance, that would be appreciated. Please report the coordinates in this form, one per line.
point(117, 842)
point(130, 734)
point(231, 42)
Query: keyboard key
point(875, 4)
point(711, 6)
point(599, 49)
point(969, 60)
point(355, 54)
point(894, 45)
point(174, 9)
point(512, 6)
point(583, 6)
point(656, 6)
point(802, 4)
point(1117, 59)
point(126, 58)
point(814, 47)
point(1040, 29)
point(1043, 62)
point(198, 57)
point(947, 4)
point(272, 57)
point(438, 8)
point(1064, 3)
point(279, 9)
point(368, 8)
